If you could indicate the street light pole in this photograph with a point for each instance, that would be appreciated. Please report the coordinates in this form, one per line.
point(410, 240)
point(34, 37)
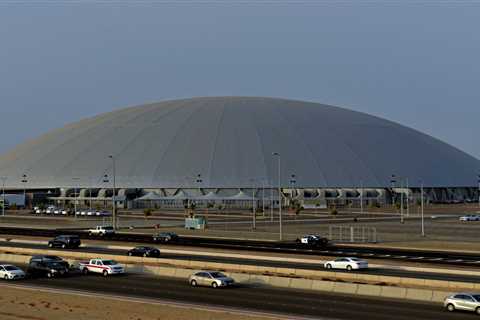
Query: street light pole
point(361, 197)
point(422, 200)
point(3, 195)
point(24, 181)
point(75, 196)
point(254, 213)
point(279, 195)
point(114, 200)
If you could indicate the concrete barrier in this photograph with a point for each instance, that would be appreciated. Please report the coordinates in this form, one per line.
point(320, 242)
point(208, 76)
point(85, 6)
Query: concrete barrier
point(369, 290)
point(393, 292)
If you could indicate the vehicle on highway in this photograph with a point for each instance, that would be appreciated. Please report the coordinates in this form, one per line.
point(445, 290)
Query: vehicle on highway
point(48, 268)
point(101, 231)
point(312, 240)
point(165, 237)
point(463, 301)
point(65, 241)
point(470, 217)
point(50, 258)
point(144, 252)
point(38, 210)
point(11, 272)
point(103, 213)
point(212, 279)
point(104, 266)
point(347, 264)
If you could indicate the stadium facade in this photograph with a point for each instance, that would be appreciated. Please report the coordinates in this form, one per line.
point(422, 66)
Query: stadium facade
point(230, 149)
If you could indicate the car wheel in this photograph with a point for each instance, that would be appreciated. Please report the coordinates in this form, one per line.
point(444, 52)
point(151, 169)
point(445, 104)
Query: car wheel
point(5, 277)
point(90, 234)
point(64, 246)
point(130, 254)
point(105, 273)
point(451, 307)
point(49, 275)
point(214, 285)
point(329, 266)
point(349, 268)
point(193, 283)
point(145, 255)
point(50, 245)
point(85, 271)
point(477, 311)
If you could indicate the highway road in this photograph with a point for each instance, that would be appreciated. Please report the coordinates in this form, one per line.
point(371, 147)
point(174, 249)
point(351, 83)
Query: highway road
point(259, 299)
point(373, 271)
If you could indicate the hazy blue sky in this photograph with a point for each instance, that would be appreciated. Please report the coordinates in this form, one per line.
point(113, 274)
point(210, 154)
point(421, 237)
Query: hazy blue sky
point(412, 62)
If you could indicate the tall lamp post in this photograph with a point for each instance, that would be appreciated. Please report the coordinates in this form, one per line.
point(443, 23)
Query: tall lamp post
point(254, 213)
point(361, 197)
point(276, 154)
point(25, 181)
point(114, 195)
point(4, 179)
point(75, 182)
point(392, 183)
point(478, 189)
point(422, 203)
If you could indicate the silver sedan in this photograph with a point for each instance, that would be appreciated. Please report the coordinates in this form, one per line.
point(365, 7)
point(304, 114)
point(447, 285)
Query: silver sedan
point(212, 279)
point(463, 301)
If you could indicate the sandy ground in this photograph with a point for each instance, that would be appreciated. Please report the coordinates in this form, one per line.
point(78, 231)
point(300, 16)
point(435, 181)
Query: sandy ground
point(27, 304)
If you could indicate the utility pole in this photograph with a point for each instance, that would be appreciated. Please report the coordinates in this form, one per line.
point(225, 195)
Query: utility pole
point(279, 195)
point(75, 196)
point(24, 181)
point(4, 179)
point(361, 197)
point(114, 200)
point(422, 200)
point(254, 213)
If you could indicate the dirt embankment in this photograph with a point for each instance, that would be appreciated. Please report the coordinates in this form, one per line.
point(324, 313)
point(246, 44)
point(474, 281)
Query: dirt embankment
point(29, 304)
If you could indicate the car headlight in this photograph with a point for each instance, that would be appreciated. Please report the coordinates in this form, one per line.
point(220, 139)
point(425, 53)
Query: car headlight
point(53, 270)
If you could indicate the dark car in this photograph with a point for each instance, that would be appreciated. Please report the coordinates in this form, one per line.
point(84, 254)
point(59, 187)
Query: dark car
point(165, 237)
point(48, 268)
point(144, 252)
point(49, 258)
point(65, 241)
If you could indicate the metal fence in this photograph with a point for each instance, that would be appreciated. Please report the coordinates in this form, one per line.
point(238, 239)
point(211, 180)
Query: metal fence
point(353, 234)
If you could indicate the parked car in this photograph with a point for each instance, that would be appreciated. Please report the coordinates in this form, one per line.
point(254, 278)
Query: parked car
point(48, 268)
point(313, 240)
point(50, 209)
point(212, 279)
point(347, 264)
point(463, 301)
point(165, 237)
point(470, 217)
point(11, 272)
point(144, 252)
point(104, 266)
point(65, 241)
point(103, 213)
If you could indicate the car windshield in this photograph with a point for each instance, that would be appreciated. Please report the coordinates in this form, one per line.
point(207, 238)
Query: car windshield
point(109, 262)
point(54, 265)
point(108, 228)
point(217, 275)
point(356, 259)
point(476, 297)
point(11, 268)
point(52, 258)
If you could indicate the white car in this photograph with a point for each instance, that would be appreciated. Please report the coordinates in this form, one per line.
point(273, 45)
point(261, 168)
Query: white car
point(50, 210)
point(470, 217)
point(11, 272)
point(463, 301)
point(347, 264)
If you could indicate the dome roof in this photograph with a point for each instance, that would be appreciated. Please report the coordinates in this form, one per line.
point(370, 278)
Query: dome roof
point(228, 142)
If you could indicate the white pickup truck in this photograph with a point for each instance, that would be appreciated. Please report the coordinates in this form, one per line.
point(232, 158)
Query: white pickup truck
point(104, 266)
point(101, 231)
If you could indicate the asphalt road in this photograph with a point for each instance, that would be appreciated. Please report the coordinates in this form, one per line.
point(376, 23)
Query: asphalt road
point(260, 299)
point(373, 271)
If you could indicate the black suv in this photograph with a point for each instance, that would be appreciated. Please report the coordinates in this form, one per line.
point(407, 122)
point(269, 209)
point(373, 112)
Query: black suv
point(44, 266)
point(165, 237)
point(65, 241)
point(144, 252)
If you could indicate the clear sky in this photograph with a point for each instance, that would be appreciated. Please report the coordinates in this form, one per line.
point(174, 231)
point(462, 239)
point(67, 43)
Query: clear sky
point(414, 62)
